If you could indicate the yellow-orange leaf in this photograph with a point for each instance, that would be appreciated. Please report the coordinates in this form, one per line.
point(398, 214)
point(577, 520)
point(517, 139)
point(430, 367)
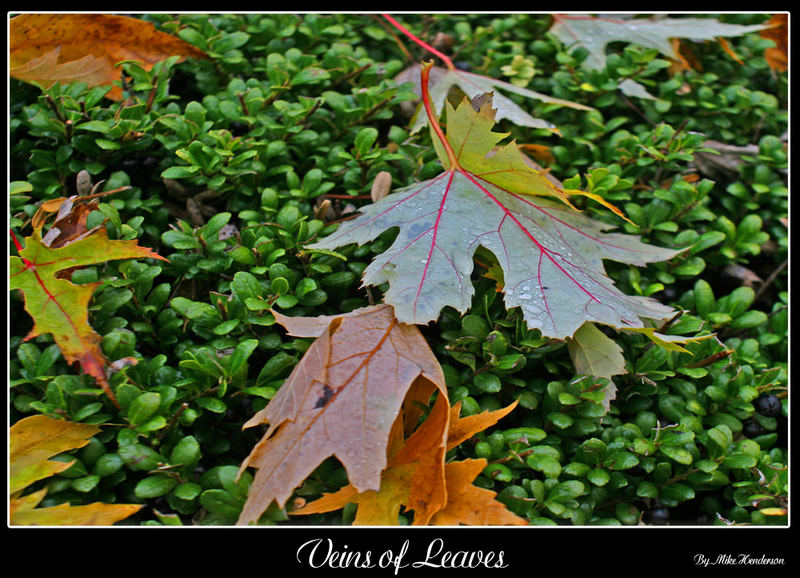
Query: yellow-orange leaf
point(407, 477)
point(470, 505)
point(32, 441)
point(541, 153)
point(35, 439)
point(773, 511)
point(425, 448)
point(341, 400)
point(463, 428)
point(728, 50)
point(669, 342)
point(96, 514)
point(375, 508)
point(27, 502)
point(45, 209)
point(50, 48)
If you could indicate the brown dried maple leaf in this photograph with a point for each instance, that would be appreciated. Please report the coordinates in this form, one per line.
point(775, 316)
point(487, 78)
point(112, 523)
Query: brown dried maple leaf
point(50, 48)
point(341, 400)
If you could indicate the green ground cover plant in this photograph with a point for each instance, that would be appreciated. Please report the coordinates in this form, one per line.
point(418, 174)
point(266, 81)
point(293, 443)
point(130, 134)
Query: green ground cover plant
point(230, 168)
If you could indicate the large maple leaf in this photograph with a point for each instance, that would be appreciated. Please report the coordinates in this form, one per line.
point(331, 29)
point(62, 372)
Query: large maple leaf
point(341, 400)
point(59, 306)
point(551, 254)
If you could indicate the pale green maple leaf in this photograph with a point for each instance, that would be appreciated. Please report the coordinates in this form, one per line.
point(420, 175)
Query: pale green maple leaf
point(550, 253)
point(594, 353)
point(595, 33)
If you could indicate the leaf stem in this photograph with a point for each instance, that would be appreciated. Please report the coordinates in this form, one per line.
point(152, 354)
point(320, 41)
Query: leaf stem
point(26, 262)
point(16, 241)
point(434, 123)
point(425, 45)
point(770, 280)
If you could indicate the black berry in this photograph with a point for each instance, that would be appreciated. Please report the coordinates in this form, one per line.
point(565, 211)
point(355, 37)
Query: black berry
point(752, 429)
point(239, 128)
point(659, 515)
point(636, 471)
point(768, 405)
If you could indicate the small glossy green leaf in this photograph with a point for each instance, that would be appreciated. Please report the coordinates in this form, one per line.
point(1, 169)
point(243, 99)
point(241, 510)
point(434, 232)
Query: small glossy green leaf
point(140, 457)
point(487, 383)
point(679, 454)
point(598, 476)
point(144, 406)
point(154, 486)
point(545, 464)
point(622, 460)
point(187, 491)
point(739, 461)
point(213, 404)
point(186, 452)
point(222, 503)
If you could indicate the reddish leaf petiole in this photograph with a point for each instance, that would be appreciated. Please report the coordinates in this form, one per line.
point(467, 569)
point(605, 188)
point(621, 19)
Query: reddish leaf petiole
point(434, 123)
point(425, 45)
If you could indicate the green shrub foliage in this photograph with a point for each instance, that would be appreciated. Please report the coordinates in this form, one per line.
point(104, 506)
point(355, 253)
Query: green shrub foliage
point(236, 163)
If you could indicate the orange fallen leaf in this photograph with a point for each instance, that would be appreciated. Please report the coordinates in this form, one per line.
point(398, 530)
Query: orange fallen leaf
point(46, 208)
point(688, 61)
point(778, 56)
point(414, 476)
point(686, 58)
point(463, 428)
point(470, 505)
point(50, 48)
point(375, 508)
point(465, 503)
point(341, 400)
point(46, 70)
point(422, 458)
point(71, 214)
point(541, 153)
point(728, 50)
